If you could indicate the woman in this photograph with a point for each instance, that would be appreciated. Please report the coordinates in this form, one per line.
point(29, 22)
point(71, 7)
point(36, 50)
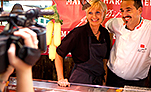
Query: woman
point(89, 45)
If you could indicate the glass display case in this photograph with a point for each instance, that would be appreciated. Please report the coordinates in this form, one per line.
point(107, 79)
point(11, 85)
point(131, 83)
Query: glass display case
point(52, 86)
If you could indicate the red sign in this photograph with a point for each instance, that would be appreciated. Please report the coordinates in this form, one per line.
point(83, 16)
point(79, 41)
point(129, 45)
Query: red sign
point(71, 13)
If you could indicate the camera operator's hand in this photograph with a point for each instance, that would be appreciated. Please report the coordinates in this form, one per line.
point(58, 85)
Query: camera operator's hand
point(4, 76)
point(29, 36)
point(23, 70)
point(30, 40)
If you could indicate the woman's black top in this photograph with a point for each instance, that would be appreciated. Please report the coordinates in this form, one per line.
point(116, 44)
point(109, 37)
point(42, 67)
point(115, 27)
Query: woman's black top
point(77, 42)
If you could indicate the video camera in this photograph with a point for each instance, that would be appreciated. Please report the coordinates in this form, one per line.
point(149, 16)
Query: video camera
point(16, 18)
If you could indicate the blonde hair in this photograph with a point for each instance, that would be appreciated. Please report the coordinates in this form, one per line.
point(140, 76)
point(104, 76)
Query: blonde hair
point(98, 4)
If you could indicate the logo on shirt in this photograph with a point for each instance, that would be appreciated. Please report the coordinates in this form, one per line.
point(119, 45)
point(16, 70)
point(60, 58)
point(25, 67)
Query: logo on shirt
point(142, 48)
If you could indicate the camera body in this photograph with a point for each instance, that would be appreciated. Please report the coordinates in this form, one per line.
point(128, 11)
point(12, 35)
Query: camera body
point(24, 19)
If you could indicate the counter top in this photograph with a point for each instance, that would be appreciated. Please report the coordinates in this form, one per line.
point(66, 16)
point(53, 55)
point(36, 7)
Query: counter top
point(52, 86)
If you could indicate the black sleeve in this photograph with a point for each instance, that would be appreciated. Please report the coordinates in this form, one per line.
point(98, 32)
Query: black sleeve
point(67, 44)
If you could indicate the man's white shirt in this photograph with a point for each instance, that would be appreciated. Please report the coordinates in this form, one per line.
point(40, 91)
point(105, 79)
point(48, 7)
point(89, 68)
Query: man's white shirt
point(130, 56)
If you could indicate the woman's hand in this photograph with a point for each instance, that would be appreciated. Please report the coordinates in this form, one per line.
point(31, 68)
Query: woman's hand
point(63, 83)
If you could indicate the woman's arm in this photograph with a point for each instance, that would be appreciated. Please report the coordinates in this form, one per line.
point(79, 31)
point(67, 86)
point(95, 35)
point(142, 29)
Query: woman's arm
point(106, 69)
point(59, 68)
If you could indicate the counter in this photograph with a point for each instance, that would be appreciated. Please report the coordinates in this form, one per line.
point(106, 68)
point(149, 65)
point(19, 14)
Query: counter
point(52, 86)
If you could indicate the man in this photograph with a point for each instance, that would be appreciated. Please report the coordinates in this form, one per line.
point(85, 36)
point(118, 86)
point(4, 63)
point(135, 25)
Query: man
point(130, 57)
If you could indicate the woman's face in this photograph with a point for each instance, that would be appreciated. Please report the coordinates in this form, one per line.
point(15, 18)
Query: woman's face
point(95, 16)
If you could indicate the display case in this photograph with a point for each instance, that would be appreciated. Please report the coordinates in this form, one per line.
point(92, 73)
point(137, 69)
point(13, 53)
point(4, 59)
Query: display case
point(52, 86)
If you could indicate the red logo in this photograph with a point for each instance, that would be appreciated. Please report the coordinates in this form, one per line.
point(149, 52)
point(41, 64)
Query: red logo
point(142, 46)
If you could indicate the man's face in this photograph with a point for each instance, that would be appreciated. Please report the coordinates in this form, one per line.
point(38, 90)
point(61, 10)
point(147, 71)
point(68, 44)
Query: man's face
point(130, 15)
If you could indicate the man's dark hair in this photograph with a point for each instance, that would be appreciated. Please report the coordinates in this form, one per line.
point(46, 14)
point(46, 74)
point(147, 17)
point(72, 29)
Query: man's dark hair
point(137, 4)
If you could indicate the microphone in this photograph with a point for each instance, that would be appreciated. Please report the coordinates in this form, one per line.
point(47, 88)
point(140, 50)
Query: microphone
point(37, 13)
point(46, 12)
